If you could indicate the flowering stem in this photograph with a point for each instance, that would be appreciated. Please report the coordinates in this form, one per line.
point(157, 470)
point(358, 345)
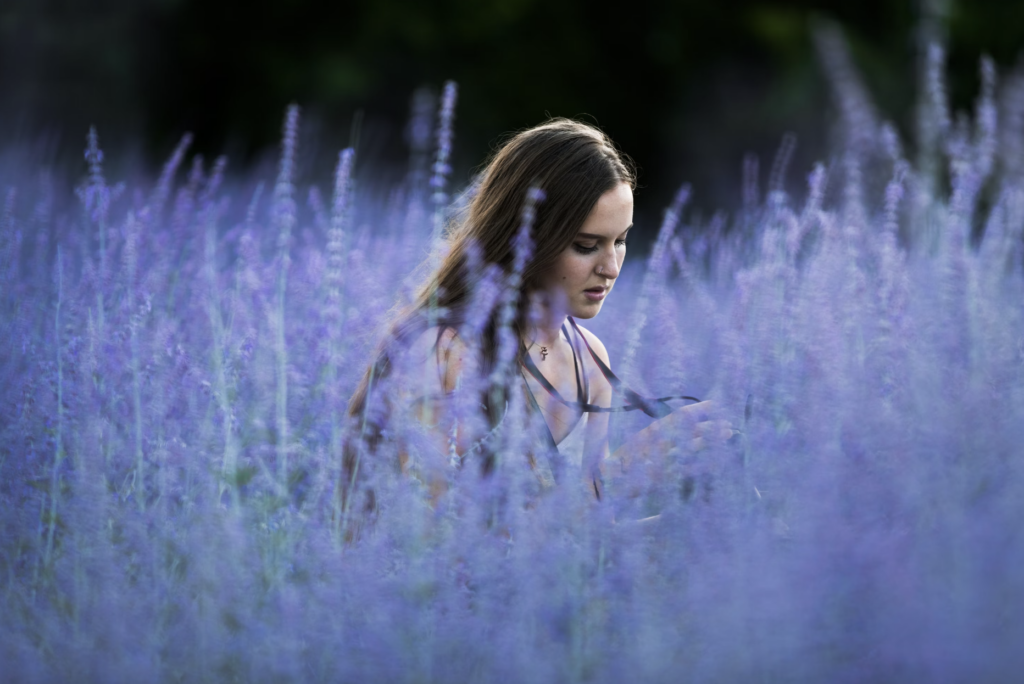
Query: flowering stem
point(58, 455)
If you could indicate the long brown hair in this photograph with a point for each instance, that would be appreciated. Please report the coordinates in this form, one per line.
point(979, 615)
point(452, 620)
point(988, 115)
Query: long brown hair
point(573, 163)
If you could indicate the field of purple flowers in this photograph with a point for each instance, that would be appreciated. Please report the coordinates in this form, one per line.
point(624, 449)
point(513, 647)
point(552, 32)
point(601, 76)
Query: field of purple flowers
point(177, 361)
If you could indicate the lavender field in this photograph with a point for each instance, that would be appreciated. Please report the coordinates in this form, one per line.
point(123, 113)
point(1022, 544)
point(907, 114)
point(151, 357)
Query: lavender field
point(178, 356)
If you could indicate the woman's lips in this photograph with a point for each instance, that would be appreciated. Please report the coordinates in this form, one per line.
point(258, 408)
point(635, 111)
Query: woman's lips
point(595, 294)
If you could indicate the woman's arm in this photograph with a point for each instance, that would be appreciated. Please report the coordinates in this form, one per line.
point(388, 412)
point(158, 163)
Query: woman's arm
point(595, 436)
point(651, 445)
point(443, 359)
point(693, 422)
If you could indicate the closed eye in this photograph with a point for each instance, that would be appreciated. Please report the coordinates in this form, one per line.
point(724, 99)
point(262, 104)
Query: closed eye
point(591, 249)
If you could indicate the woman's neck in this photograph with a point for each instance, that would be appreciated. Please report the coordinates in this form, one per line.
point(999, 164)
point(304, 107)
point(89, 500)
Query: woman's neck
point(546, 327)
point(544, 336)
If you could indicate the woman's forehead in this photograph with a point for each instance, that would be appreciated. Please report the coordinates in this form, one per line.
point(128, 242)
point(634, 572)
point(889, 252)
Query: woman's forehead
point(612, 215)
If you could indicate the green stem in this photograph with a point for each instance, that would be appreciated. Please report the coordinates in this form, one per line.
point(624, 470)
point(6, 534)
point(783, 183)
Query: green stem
point(229, 466)
point(58, 455)
point(282, 380)
point(359, 450)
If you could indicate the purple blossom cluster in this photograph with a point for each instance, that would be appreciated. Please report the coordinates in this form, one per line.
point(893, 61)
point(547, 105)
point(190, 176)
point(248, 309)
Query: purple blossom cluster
point(173, 384)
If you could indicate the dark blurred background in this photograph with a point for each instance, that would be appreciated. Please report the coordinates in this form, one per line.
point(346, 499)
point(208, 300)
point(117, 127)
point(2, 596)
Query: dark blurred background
point(686, 87)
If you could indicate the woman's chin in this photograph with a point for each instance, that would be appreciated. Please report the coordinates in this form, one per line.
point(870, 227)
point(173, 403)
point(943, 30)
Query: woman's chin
point(587, 310)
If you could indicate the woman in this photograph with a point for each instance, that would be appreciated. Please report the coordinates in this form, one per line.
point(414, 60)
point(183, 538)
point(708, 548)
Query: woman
point(495, 325)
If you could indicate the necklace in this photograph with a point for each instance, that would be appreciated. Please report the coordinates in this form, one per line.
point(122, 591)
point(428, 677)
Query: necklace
point(543, 349)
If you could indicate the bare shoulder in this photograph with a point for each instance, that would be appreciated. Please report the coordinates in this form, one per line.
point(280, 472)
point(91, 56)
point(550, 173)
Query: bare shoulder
point(450, 346)
point(436, 339)
point(595, 343)
point(602, 386)
point(443, 349)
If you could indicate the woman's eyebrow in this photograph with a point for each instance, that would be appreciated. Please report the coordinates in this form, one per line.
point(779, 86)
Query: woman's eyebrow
point(592, 236)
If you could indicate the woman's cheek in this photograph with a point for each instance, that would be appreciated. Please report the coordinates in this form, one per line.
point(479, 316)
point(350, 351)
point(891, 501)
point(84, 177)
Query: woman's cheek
point(570, 266)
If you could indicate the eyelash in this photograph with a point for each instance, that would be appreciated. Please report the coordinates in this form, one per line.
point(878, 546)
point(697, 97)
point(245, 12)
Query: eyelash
point(590, 250)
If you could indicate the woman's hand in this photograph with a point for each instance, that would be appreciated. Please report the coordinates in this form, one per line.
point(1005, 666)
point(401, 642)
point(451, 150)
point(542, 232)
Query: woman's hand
point(686, 430)
point(700, 422)
point(696, 424)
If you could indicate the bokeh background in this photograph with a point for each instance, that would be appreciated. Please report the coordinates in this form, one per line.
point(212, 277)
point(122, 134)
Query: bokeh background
point(175, 358)
point(686, 87)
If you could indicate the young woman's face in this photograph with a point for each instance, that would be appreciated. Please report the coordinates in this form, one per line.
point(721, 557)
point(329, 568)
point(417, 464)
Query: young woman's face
point(585, 272)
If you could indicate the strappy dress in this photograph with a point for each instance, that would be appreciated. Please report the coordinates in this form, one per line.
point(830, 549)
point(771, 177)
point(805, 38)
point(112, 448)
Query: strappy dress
point(656, 408)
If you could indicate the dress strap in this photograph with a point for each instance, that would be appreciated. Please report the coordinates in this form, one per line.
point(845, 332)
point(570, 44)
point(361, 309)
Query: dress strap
point(656, 408)
point(582, 388)
point(536, 407)
point(549, 465)
point(582, 391)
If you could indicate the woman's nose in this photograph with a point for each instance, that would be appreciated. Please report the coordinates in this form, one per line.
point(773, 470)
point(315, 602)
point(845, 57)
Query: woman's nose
point(608, 266)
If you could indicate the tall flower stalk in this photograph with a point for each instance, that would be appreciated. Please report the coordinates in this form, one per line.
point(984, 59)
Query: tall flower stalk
point(441, 168)
point(58, 449)
point(284, 209)
point(131, 257)
point(657, 264)
point(334, 313)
